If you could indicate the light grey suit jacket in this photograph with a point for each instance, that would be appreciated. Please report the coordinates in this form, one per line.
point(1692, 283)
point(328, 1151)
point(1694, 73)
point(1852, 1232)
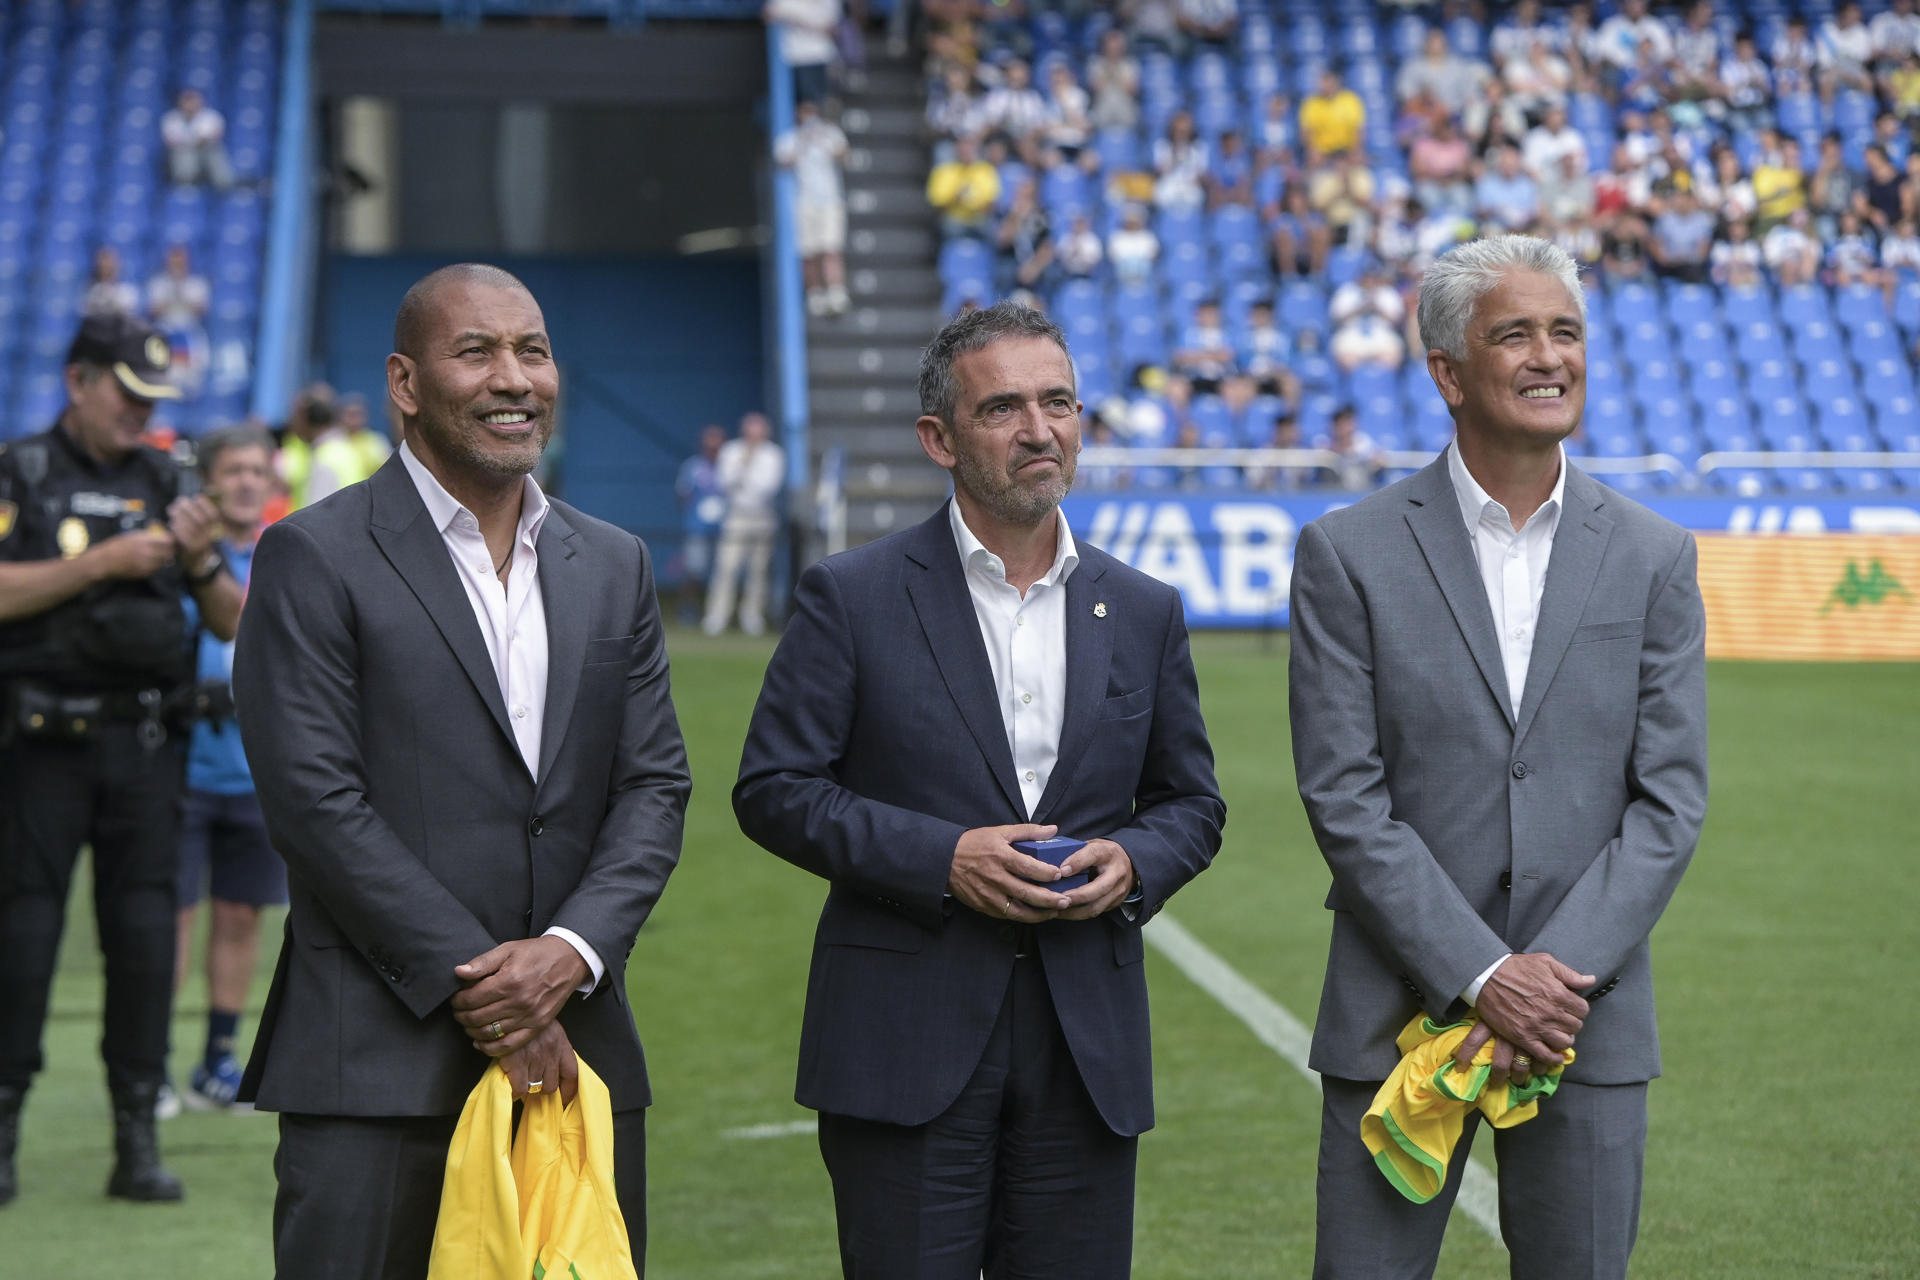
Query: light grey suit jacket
point(415, 837)
point(1458, 827)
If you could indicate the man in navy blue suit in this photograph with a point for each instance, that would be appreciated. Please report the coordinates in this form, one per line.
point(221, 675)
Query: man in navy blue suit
point(976, 1036)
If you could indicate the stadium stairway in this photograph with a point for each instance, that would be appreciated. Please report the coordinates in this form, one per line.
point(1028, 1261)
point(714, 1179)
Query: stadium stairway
point(862, 367)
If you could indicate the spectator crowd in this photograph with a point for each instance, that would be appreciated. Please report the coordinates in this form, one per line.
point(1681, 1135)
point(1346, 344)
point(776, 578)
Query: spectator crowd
point(1160, 146)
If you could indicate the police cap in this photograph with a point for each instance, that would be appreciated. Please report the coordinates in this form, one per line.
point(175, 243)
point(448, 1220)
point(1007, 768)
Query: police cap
point(138, 356)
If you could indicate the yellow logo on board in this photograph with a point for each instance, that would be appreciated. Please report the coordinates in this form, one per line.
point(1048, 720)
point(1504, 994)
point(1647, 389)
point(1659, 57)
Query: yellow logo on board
point(7, 513)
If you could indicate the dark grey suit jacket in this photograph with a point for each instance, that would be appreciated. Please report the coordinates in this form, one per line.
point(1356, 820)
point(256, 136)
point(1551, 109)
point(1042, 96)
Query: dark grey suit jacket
point(415, 839)
point(878, 740)
point(1458, 827)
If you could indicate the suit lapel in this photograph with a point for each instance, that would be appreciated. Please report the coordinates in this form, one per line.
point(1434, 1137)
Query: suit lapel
point(564, 595)
point(1089, 644)
point(405, 534)
point(1579, 543)
point(938, 588)
point(1435, 520)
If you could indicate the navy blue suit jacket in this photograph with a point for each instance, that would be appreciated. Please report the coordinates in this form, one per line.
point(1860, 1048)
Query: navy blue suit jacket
point(878, 740)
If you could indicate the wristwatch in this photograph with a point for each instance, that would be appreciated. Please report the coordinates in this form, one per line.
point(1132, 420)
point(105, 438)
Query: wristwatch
point(200, 578)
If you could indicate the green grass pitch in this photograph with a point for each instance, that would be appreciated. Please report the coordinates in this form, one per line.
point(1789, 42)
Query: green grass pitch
point(1783, 1137)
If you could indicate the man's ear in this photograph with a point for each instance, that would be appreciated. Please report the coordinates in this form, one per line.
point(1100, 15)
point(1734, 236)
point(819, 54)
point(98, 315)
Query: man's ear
point(1445, 377)
point(933, 439)
point(400, 389)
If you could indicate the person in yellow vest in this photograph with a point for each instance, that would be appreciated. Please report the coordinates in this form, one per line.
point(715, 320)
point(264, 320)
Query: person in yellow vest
point(312, 414)
point(1331, 120)
point(346, 452)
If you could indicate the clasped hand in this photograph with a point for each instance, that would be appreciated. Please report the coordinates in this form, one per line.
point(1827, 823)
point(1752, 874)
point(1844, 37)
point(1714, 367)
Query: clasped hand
point(1531, 1007)
point(996, 879)
point(514, 992)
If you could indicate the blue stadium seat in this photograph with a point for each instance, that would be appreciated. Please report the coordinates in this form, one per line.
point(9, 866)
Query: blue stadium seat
point(1768, 380)
point(1859, 304)
point(1759, 341)
point(1632, 303)
point(1647, 340)
point(1692, 304)
point(1786, 425)
point(1804, 304)
point(1604, 374)
point(1119, 150)
point(1873, 340)
point(1727, 424)
point(1906, 306)
point(1844, 425)
point(1828, 378)
point(1303, 305)
point(1817, 341)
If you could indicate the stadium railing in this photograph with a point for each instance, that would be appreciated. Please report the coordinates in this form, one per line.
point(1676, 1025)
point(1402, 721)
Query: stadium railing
point(1124, 456)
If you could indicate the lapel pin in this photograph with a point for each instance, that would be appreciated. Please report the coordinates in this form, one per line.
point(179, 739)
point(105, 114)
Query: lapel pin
point(1100, 610)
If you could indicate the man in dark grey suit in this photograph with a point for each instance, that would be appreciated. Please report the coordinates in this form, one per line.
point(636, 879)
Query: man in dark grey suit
point(454, 698)
point(975, 1037)
point(1499, 726)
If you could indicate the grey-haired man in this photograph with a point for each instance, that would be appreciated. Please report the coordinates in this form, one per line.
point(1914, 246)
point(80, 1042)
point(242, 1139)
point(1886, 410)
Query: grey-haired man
point(1499, 726)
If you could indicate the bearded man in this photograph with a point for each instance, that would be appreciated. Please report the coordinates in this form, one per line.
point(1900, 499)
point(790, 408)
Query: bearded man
point(453, 694)
point(976, 1036)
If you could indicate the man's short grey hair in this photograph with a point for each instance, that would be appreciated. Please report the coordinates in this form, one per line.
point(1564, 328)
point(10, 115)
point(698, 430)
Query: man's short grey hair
point(973, 331)
point(215, 443)
point(1466, 273)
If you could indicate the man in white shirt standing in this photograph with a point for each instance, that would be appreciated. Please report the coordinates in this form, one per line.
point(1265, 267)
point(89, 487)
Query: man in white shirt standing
point(753, 471)
point(816, 151)
point(454, 698)
point(806, 29)
point(1505, 769)
point(976, 1036)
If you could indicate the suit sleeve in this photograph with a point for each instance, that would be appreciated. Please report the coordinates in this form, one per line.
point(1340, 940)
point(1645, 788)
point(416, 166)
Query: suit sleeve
point(789, 798)
point(1616, 902)
point(638, 845)
point(1387, 876)
point(296, 694)
point(1178, 813)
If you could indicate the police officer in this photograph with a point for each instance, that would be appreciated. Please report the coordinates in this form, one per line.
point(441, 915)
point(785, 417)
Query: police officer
point(96, 548)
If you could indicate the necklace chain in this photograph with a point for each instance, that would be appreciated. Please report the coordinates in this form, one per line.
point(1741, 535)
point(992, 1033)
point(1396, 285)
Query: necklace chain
point(502, 566)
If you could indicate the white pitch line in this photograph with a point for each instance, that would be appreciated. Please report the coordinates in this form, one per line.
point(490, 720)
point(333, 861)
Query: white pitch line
point(788, 1129)
point(1273, 1026)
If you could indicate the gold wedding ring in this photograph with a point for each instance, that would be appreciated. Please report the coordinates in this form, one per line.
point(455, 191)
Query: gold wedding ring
point(1521, 1062)
point(534, 1086)
point(494, 1027)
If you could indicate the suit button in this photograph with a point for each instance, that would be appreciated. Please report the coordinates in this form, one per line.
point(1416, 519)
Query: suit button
point(1520, 769)
point(1506, 880)
point(536, 827)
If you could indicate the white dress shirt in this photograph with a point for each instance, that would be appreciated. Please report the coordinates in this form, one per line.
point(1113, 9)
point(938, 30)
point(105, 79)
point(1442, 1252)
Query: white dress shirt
point(513, 622)
point(1026, 639)
point(1513, 571)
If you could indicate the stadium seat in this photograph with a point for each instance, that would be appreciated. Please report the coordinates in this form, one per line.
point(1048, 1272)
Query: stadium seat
point(1859, 304)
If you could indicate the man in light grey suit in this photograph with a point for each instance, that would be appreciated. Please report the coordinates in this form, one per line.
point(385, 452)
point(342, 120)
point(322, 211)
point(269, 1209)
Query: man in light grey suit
point(453, 694)
point(1499, 727)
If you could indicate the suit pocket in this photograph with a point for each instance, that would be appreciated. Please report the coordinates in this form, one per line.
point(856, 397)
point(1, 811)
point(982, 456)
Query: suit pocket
point(608, 649)
point(850, 924)
point(1128, 946)
point(318, 932)
point(1125, 705)
point(1624, 629)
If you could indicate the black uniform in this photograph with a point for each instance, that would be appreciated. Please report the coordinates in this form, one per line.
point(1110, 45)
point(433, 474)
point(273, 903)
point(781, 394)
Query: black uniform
point(88, 757)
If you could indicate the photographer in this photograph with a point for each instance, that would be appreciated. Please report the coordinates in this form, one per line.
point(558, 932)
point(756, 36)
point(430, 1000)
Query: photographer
point(223, 837)
point(96, 548)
